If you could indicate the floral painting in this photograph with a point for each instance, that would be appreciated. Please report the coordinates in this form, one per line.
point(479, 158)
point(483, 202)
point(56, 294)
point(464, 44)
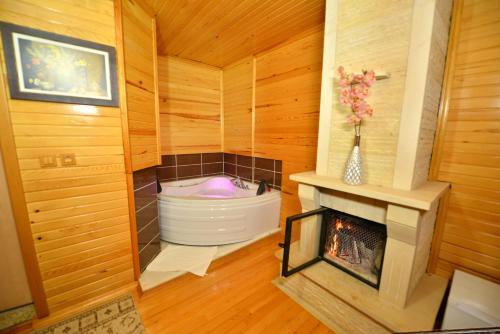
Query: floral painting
point(49, 67)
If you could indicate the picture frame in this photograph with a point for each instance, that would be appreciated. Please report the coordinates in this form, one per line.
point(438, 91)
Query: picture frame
point(44, 66)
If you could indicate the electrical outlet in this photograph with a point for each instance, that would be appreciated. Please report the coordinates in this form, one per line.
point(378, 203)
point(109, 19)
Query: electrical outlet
point(68, 159)
point(48, 161)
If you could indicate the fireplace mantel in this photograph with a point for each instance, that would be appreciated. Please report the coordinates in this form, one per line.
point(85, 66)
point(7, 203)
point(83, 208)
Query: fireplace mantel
point(421, 198)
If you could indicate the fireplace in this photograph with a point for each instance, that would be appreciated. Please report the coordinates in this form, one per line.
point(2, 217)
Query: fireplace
point(350, 243)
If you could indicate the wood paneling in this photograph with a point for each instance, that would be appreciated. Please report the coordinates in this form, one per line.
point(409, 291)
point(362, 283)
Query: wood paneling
point(190, 106)
point(219, 32)
point(238, 107)
point(467, 148)
point(139, 46)
point(78, 214)
point(287, 97)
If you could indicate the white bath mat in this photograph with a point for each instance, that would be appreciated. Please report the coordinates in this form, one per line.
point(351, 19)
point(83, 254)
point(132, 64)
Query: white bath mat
point(194, 259)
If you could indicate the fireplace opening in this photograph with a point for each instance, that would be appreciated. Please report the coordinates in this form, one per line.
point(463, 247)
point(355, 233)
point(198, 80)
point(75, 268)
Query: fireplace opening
point(352, 244)
point(355, 245)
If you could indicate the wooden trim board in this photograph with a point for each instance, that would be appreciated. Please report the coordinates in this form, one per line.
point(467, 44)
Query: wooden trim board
point(125, 134)
point(157, 93)
point(437, 150)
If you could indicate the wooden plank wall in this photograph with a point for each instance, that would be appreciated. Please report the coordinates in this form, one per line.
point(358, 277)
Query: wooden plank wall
point(287, 98)
point(238, 107)
point(190, 106)
point(79, 215)
point(468, 151)
point(139, 44)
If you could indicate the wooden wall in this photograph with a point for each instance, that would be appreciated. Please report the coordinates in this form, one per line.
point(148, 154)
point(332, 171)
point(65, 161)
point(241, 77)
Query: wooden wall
point(78, 215)
point(467, 152)
point(139, 47)
point(190, 106)
point(286, 98)
point(239, 107)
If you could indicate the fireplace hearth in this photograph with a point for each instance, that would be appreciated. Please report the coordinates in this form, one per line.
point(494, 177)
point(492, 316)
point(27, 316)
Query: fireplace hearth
point(352, 244)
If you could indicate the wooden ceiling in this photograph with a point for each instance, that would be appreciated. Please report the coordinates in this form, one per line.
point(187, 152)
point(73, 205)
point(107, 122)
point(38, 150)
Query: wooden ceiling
point(220, 32)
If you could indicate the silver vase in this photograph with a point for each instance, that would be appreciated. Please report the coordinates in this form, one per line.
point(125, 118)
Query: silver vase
point(353, 170)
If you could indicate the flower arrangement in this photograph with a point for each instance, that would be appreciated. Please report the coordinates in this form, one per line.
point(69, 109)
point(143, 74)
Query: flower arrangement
point(354, 89)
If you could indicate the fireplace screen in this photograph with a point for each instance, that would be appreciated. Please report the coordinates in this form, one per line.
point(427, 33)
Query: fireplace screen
point(353, 244)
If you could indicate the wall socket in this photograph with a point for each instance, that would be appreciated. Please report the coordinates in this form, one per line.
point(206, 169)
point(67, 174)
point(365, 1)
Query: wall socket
point(48, 161)
point(68, 159)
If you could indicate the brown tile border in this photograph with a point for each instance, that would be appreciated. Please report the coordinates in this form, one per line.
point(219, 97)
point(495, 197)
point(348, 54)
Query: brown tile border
point(212, 168)
point(144, 177)
point(211, 157)
point(185, 166)
point(192, 171)
point(146, 214)
point(149, 251)
point(188, 159)
point(253, 169)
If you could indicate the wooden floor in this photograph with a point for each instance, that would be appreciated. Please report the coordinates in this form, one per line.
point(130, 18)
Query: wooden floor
point(236, 296)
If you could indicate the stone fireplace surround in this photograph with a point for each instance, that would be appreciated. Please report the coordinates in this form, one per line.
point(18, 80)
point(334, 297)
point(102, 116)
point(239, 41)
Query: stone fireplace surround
point(408, 299)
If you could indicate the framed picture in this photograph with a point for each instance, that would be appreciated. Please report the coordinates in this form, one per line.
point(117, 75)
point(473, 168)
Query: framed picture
point(44, 66)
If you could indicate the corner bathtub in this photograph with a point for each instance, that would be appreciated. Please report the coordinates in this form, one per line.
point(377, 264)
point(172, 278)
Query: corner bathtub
point(212, 211)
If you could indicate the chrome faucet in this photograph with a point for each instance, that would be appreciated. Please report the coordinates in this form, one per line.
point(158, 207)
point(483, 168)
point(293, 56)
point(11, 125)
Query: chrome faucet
point(238, 182)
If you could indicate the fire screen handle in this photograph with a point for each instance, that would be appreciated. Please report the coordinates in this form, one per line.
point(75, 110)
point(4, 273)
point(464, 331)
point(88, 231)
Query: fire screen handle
point(285, 272)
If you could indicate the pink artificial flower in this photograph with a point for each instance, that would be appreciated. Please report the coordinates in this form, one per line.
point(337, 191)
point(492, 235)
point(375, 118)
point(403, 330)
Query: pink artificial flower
point(358, 78)
point(369, 78)
point(354, 89)
point(343, 82)
point(353, 119)
point(369, 110)
point(341, 71)
point(360, 91)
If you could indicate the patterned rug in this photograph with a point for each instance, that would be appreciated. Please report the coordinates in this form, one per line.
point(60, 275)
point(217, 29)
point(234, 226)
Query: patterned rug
point(16, 316)
point(116, 317)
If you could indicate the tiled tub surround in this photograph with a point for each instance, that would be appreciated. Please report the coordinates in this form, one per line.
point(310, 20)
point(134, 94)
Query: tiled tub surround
point(186, 166)
point(252, 169)
point(146, 213)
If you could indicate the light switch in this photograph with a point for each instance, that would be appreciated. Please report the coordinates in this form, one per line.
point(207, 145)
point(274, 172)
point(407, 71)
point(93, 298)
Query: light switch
point(48, 161)
point(68, 159)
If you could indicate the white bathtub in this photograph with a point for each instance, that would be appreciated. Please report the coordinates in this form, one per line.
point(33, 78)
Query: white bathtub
point(212, 211)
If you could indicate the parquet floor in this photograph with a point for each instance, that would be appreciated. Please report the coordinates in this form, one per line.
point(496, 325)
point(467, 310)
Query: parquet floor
point(236, 296)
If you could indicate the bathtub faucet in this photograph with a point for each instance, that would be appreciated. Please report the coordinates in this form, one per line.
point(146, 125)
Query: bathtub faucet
point(239, 183)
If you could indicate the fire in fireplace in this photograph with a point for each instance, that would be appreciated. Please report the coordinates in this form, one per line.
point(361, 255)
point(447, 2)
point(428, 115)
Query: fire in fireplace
point(353, 244)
